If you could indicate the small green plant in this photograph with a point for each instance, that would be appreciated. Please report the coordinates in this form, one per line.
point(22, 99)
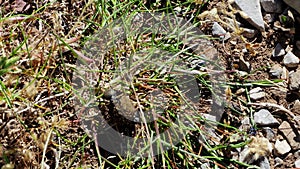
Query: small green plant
point(6, 63)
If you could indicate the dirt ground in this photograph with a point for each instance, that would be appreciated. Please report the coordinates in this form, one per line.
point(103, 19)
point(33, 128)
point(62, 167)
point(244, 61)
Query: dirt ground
point(38, 123)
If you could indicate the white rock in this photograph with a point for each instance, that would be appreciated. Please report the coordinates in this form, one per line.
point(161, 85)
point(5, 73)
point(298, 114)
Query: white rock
point(249, 33)
point(290, 60)
point(273, 6)
point(218, 30)
point(278, 161)
point(297, 163)
point(297, 154)
point(282, 147)
point(252, 9)
point(264, 164)
point(290, 135)
point(257, 93)
point(264, 118)
point(276, 71)
point(269, 17)
point(278, 51)
point(295, 80)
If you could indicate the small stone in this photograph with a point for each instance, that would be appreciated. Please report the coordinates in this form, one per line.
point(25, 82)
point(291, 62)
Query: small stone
point(249, 33)
point(218, 30)
point(205, 166)
point(297, 154)
point(209, 117)
point(264, 163)
point(269, 133)
point(288, 132)
point(282, 147)
point(251, 11)
point(296, 107)
point(273, 6)
point(285, 73)
point(269, 17)
point(290, 60)
point(297, 163)
point(278, 51)
point(264, 118)
point(295, 81)
point(276, 71)
point(240, 91)
point(257, 93)
point(244, 65)
point(278, 161)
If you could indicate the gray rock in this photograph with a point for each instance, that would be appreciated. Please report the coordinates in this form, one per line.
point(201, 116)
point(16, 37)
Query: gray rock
point(297, 154)
point(276, 71)
point(285, 73)
point(264, 118)
point(296, 107)
point(278, 51)
point(282, 147)
point(205, 166)
point(218, 30)
point(257, 93)
point(273, 6)
point(269, 17)
point(249, 33)
point(269, 133)
point(290, 60)
point(264, 164)
point(278, 161)
point(294, 4)
point(295, 80)
point(290, 135)
point(244, 65)
point(251, 11)
point(297, 163)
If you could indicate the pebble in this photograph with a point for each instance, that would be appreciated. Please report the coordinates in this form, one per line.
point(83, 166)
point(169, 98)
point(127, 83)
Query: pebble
point(294, 4)
point(244, 65)
point(218, 30)
point(297, 163)
point(264, 118)
point(295, 81)
point(297, 154)
point(278, 51)
point(257, 93)
point(282, 147)
point(269, 133)
point(290, 60)
point(278, 161)
point(291, 136)
point(296, 107)
point(269, 17)
point(276, 71)
point(272, 6)
point(249, 33)
point(264, 163)
point(252, 10)
point(285, 73)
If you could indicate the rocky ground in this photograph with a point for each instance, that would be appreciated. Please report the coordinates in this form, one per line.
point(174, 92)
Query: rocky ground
point(263, 45)
point(258, 44)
